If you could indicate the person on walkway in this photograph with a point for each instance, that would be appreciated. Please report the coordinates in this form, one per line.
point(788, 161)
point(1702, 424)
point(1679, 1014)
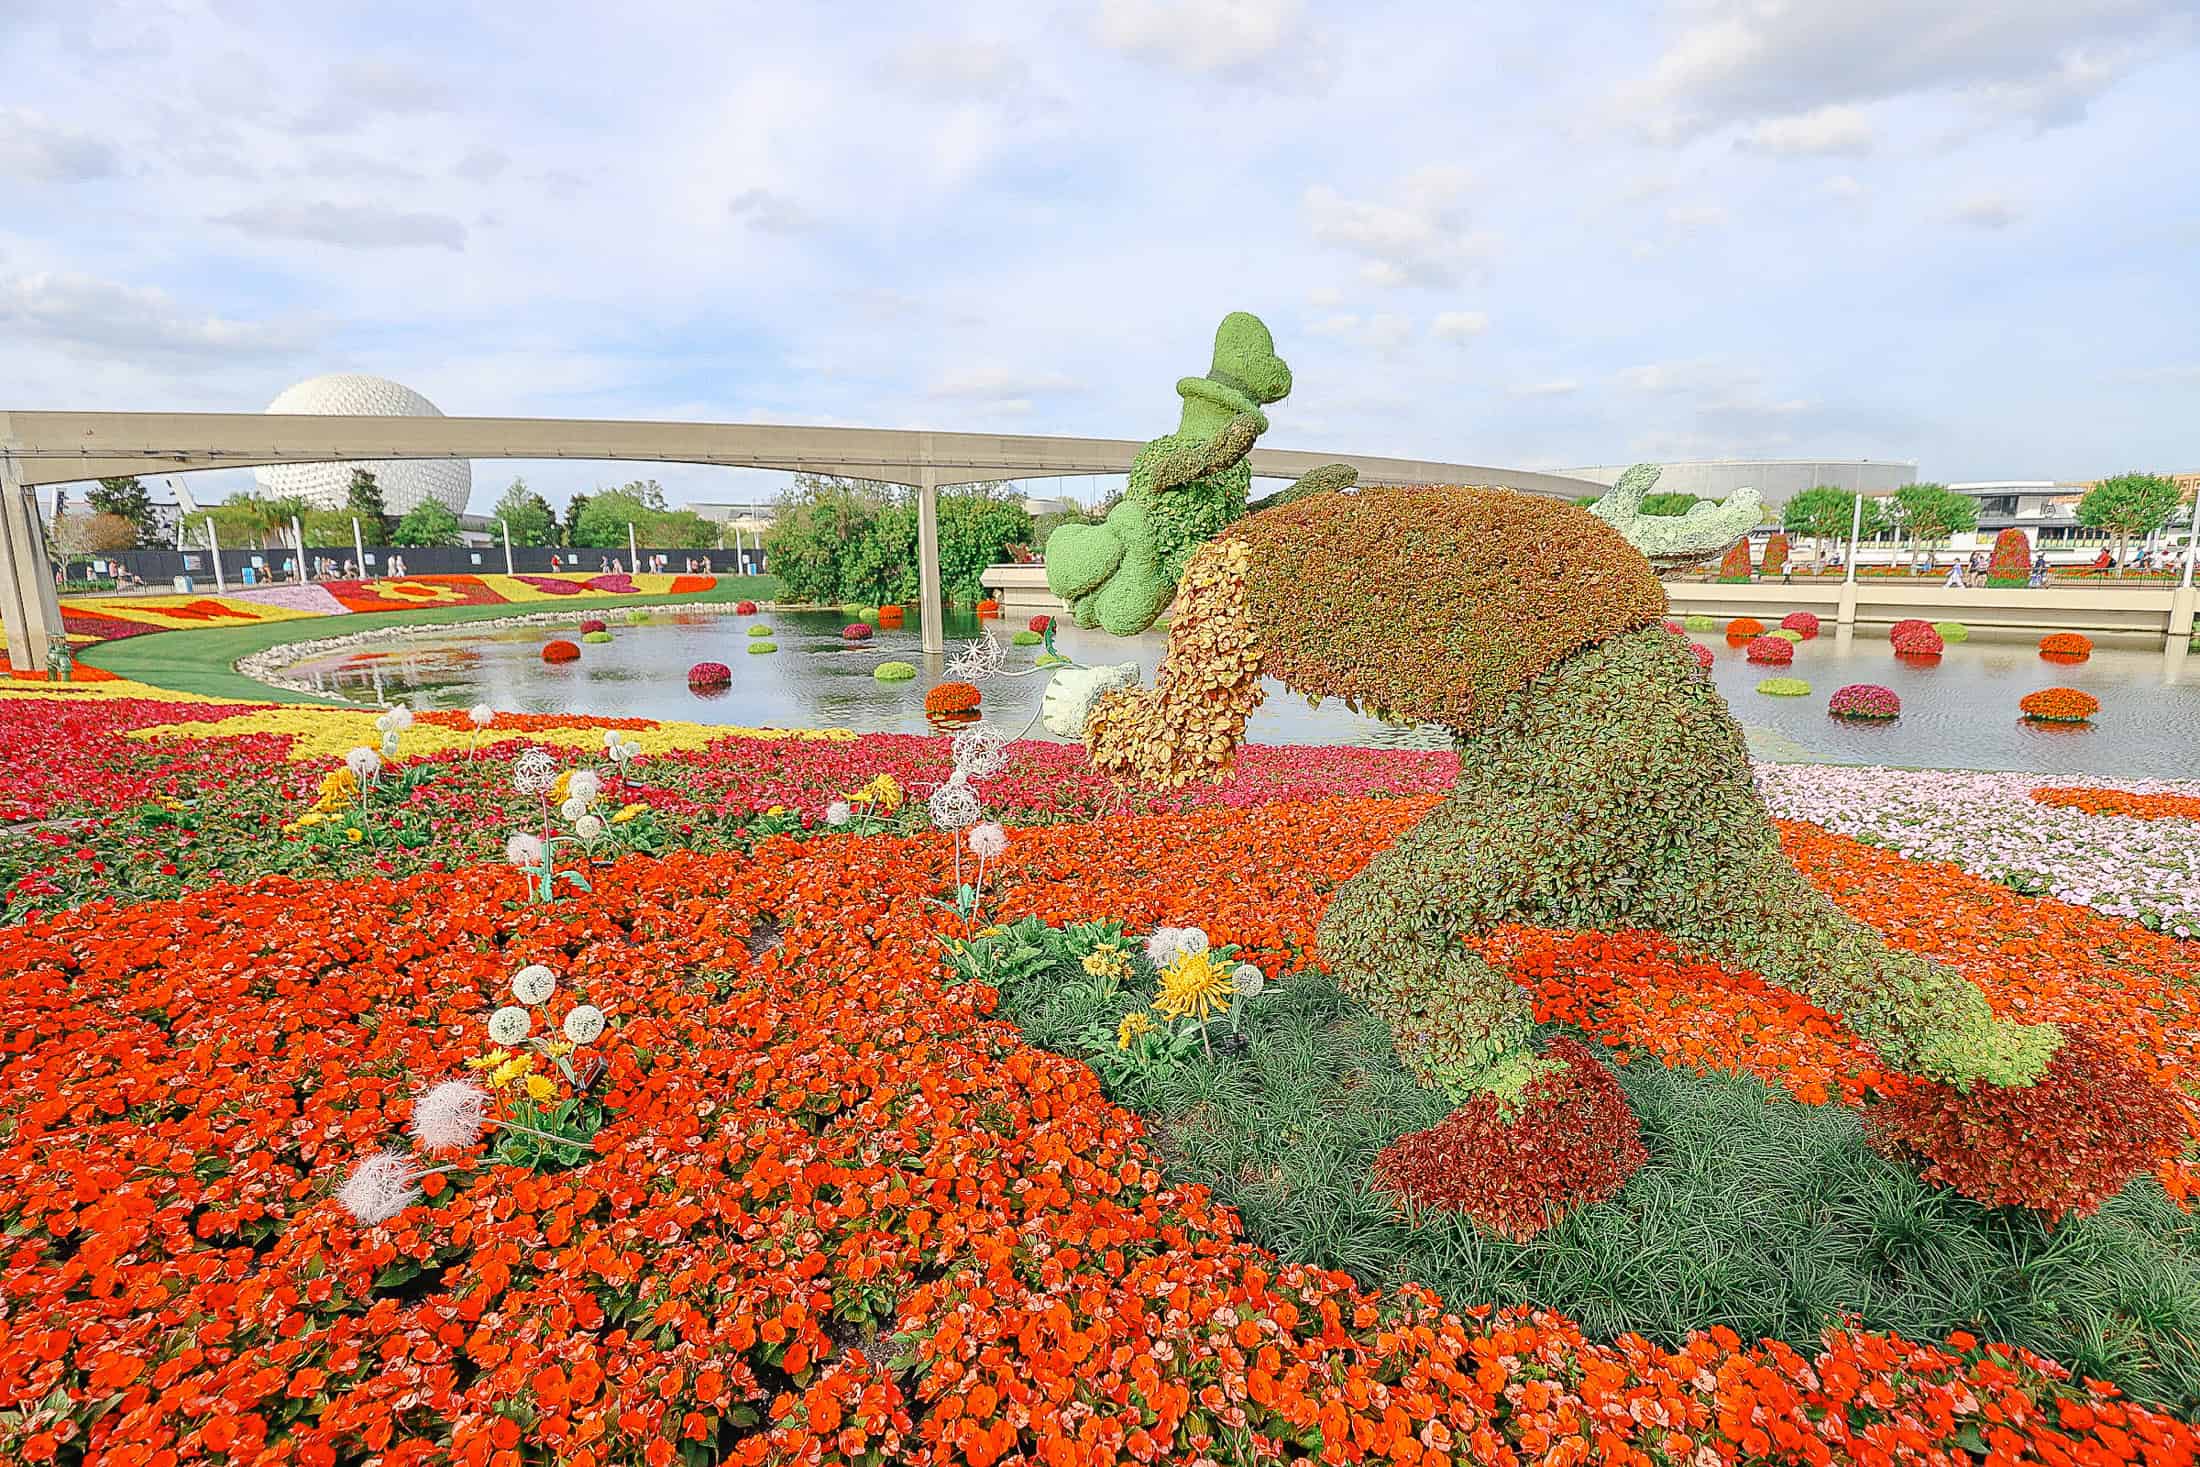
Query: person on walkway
point(2039, 571)
point(1955, 575)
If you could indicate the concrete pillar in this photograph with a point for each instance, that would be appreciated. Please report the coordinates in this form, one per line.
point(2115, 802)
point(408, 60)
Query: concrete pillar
point(358, 546)
point(1845, 610)
point(34, 617)
point(214, 549)
point(507, 529)
point(929, 605)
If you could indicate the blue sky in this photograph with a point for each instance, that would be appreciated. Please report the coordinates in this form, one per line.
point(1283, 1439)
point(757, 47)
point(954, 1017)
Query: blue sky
point(1528, 235)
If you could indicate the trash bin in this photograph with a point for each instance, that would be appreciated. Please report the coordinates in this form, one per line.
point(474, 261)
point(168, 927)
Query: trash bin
point(183, 585)
point(251, 575)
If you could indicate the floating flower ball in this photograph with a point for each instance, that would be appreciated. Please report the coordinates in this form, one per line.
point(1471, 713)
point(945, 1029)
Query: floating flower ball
point(1041, 622)
point(894, 672)
point(2059, 705)
point(760, 631)
point(989, 607)
point(744, 608)
point(1805, 622)
point(1026, 639)
point(890, 618)
point(855, 631)
point(867, 613)
point(1742, 628)
point(1704, 659)
point(951, 698)
point(709, 675)
point(1774, 650)
point(595, 636)
point(1864, 700)
point(1786, 634)
point(560, 651)
point(1784, 687)
point(1952, 631)
point(1915, 638)
point(1698, 622)
point(757, 647)
point(2066, 646)
point(593, 624)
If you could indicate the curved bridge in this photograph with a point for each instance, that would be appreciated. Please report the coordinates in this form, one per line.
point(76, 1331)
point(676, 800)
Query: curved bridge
point(60, 447)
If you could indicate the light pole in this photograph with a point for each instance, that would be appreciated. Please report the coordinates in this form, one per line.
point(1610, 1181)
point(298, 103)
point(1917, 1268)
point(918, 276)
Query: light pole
point(298, 539)
point(359, 547)
point(1856, 530)
point(214, 548)
point(507, 529)
point(633, 556)
point(2192, 541)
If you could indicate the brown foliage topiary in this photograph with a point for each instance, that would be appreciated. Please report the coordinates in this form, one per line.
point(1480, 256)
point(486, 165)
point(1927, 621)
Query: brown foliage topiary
point(1435, 604)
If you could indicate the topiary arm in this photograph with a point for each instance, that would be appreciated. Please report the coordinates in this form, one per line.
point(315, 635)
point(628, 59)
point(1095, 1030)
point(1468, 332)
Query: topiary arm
point(1176, 460)
point(1313, 481)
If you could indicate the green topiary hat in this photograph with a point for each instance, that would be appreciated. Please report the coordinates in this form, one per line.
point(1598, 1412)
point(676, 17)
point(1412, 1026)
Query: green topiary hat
point(1246, 371)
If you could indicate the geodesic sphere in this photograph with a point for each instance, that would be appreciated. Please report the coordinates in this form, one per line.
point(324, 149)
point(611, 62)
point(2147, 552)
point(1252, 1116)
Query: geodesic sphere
point(404, 483)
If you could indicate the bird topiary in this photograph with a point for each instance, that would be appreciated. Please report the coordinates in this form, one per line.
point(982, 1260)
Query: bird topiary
point(709, 675)
point(560, 651)
point(1776, 651)
point(1784, 687)
point(2011, 564)
point(893, 672)
point(1867, 701)
point(1805, 623)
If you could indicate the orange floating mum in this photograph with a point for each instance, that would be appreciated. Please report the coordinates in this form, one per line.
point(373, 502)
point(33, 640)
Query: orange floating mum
point(2059, 705)
point(952, 698)
point(560, 651)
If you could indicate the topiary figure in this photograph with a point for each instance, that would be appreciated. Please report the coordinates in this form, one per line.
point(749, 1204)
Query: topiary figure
point(1603, 783)
point(1776, 555)
point(1735, 567)
point(2012, 561)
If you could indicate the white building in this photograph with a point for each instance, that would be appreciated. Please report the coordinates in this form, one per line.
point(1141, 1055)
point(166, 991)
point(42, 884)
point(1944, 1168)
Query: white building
point(1777, 480)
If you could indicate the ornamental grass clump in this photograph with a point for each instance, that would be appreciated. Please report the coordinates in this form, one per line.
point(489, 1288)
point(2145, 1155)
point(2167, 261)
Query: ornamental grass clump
point(2059, 705)
point(1952, 632)
point(2059, 1147)
point(1569, 1141)
point(1698, 622)
point(595, 637)
point(894, 672)
point(1865, 701)
point(1777, 651)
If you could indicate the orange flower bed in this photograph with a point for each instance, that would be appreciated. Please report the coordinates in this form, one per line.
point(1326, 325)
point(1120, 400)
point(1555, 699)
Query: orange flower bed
point(2119, 802)
point(814, 1146)
point(951, 698)
point(2059, 705)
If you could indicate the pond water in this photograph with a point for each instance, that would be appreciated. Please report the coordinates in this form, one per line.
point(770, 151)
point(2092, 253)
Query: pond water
point(1959, 712)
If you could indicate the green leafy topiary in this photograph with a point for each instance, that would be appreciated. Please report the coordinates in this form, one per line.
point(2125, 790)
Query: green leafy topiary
point(894, 672)
point(755, 647)
point(1698, 622)
point(595, 636)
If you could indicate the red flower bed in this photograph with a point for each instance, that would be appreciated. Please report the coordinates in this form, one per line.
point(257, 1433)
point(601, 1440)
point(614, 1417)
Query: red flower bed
point(1805, 622)
point(709, 675)
point(856, 631)
point(2120, 802)
point(951, 698)
point(2040, 1146)
point(1777, 651)
point(835, 1214)
point(1914, 637)
point(560, 650)
point(1864, 700)
point(412, 592)
point(1572, 1142)
point(2059, 705)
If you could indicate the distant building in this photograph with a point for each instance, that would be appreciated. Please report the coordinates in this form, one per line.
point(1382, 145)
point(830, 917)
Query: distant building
point(1777, 480)
point(2047, 511)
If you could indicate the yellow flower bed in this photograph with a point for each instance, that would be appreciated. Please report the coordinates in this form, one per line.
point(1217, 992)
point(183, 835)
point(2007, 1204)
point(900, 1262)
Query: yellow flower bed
point(178, 613)
point(115, 687)
point(330, 733)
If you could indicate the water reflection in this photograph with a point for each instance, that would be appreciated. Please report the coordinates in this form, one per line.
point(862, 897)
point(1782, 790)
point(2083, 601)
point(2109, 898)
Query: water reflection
point(1958, 710)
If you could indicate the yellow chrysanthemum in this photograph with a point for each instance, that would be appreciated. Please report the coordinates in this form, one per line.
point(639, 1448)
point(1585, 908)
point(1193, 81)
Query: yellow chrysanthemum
point(490, 1060)
point(1107, 961)
point(539, 1087)
point(355, 835)
point(515, 1068)
point(1194, 984)
point(561, 788)
point(883, 791)
point(1133, 1025)
point(628, 812)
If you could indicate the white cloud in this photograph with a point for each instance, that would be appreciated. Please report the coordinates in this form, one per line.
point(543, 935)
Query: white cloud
point(1988, 211)
point(1421, 239)
point(1555, 387)
point(999, 384)
point(1199, 35)
point(354, 92)
point(33, 148)
point(1830, 129)
point(1742, 61)
point(1325, 297)
point(1688, 218)
point(961, 69)
point(102, 318)
point(1459, 325)
point(350, 226)
point(1384, 331)
point(481, 164)
point(1842, 186)
point(773, 213)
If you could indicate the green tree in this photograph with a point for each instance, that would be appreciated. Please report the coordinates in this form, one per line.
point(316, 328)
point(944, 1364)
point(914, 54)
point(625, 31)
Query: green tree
point(605, 515)
point(2126, 506)
point(1930, 513)
point(428, 523)
point(332, 527)
point(1668, 504)
point(819, 525)
point(527, 515)
point(1824, 513)
point(235, 525)
point(127, 497)
point(977, 524)
point(574, 508)
point(363, 497)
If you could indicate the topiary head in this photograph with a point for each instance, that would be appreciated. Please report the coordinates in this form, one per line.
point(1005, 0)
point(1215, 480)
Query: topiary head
point(1244, 363)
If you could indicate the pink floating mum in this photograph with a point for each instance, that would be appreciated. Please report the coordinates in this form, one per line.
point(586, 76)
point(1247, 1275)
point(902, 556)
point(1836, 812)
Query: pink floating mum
point(1777, 651)
point(1805, 622)
point(709, 675)
point(1864, 700)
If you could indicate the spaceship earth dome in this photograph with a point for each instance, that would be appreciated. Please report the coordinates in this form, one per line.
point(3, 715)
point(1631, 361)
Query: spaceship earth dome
point(404, 482)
